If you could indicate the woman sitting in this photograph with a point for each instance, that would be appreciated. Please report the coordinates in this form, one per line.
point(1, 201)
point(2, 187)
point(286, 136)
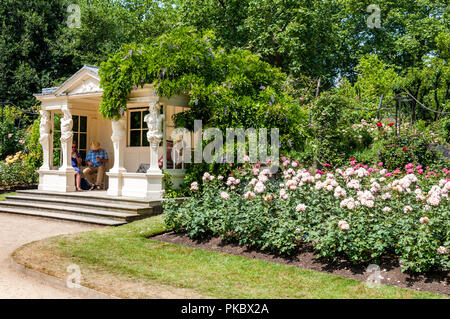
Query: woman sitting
point(76, 162)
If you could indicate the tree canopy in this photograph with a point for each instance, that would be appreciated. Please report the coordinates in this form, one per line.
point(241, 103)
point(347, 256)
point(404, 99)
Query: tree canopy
point(307, 39)
point(227, 88)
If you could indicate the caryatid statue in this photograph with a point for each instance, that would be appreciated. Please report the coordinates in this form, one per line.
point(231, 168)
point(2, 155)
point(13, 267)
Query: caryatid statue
point(66, 126)
point(44, 138)
point(66, 138)
point(119, 130)
point(155, 134)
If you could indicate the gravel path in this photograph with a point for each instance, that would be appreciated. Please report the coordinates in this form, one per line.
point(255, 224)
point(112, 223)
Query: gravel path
point(17, 230)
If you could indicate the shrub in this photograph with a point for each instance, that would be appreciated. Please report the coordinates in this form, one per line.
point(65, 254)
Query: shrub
point(16, 170)
point(326, 114)
point(397, 151)
point(359, 213)
point(33, 147)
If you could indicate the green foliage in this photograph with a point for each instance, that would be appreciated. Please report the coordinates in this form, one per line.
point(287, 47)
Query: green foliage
point(12, 137)
point(106, 25)
point(429, 84)
point(169, 190)
point(308, 40)
point(374, 78)
point(326, 115)
point(9, 137)
point(17, 170)
point(50, 51)
point(226, 89)
point(415, 230)
point(408, 147)
point(33, 146)
point(324, 38)
point(410, 31)
point(443, 128)
point(30, 60)
point(21, 150)
point(417, 242)
point(300, 37)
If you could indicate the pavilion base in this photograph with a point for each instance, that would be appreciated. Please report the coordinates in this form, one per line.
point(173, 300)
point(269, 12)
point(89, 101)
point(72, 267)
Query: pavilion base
point(137, 185)
point(58, 181)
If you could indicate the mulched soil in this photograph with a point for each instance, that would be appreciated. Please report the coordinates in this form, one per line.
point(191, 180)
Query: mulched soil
point(437, 282)
point(11, 189)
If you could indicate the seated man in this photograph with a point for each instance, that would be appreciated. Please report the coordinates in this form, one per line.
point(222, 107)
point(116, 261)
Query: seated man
point(96, 160)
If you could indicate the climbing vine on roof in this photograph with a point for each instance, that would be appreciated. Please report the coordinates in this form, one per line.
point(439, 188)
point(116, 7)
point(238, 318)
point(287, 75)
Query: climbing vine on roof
point(225, 89)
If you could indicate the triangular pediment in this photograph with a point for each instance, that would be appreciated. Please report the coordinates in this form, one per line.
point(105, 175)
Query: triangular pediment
point(86, 80)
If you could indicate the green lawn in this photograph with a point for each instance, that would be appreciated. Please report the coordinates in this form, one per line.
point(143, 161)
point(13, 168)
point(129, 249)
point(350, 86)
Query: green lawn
point(126, 252)
point(2, 196)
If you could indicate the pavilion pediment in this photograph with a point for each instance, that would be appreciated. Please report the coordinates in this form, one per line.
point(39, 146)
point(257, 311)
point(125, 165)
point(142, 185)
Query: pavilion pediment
point(86, 80)
point(89, 85)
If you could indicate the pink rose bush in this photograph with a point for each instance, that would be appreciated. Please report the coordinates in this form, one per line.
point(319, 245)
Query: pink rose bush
point(357, 212)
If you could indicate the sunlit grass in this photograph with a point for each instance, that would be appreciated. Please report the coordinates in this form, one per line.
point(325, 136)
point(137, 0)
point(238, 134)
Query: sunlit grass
point(3, 196)
point(126, 251)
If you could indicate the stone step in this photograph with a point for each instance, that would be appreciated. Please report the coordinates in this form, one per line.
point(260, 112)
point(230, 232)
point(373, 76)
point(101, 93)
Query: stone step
point(63, 209)
point(81, 203)
point(62, 216)
point(99, 196)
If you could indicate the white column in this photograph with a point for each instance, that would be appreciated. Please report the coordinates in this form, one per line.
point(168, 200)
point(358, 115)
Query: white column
point(115, 174)
point(45, 138)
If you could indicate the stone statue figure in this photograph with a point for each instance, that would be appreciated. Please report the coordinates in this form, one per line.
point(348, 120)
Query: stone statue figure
point(154, 122)
point(44, 138)
point(66, 126)
point(44, 127)
point(66, 136)
point(154, 135)
point(118, 138)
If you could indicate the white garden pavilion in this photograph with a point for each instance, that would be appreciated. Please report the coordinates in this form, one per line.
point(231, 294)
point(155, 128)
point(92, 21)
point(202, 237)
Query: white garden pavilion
point(69, 113)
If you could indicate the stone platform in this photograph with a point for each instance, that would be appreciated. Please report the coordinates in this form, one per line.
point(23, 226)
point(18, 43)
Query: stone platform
point(94, 207)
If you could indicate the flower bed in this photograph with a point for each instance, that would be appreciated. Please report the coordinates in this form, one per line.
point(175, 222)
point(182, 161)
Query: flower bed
point(17, 171)
point(358, 213)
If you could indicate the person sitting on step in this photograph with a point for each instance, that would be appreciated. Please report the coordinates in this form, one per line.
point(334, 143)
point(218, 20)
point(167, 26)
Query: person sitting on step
point(76, 163)
point(96, 160)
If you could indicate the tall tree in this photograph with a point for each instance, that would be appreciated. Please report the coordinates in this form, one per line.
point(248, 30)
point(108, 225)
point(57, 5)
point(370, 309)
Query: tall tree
point(107, 24)
point(29, 59)
point(407, 34)
point(297, 36)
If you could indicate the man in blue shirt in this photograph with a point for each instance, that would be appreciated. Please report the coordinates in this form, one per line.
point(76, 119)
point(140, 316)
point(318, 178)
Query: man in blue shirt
point(96, 160)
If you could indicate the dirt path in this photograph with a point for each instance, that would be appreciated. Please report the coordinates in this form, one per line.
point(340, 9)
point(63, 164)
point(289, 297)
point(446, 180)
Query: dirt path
point(15, 231)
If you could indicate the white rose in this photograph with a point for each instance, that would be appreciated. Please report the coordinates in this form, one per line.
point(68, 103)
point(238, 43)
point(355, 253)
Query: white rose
point(343, 225)
point(224, 195)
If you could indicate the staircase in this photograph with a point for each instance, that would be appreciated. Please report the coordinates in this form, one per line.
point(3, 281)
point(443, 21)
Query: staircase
point(93, 207)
